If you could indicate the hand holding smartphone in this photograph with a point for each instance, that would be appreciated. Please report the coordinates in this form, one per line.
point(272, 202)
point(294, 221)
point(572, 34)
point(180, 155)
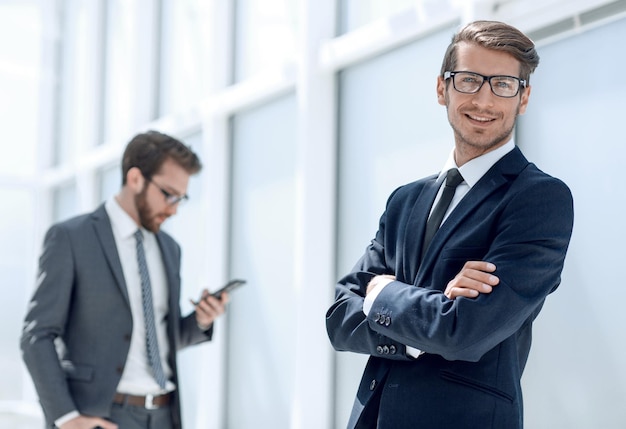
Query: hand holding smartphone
point(226, 288)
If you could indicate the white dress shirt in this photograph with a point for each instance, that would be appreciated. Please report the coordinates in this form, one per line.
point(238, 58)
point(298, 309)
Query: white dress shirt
point(137, 377)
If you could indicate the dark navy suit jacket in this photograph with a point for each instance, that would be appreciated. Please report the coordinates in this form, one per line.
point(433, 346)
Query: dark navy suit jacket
point(516, 217)
point(77, 329)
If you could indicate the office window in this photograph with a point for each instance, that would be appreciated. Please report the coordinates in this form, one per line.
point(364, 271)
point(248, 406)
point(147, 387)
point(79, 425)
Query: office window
point(573, 130)
point(64, 202)
point(131, 67)
point(78, 120)
point(266, 35)
point(20, 73)
point(21, 44)
point(261, 333)
point(17, 241)
point(356, 13)
point(186, 64)
point(109, 181)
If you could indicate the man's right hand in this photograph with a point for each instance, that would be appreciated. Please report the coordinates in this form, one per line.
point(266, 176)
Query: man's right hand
point(86, 422)
point(474, 278)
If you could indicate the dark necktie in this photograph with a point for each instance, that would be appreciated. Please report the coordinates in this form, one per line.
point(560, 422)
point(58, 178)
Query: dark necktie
point(453, 179)
point(152, 345)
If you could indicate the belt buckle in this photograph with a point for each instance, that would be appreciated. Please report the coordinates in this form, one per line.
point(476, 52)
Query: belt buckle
point(149, 404)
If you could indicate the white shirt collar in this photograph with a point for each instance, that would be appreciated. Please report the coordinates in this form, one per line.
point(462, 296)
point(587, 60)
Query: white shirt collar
point(121, 221)
point(476, 168)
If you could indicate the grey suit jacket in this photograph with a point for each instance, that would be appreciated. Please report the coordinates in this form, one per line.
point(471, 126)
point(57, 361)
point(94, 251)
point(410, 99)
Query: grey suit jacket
point(78, 325)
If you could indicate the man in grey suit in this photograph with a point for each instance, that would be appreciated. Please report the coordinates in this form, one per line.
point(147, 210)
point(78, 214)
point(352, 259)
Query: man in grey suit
point(104, 324)
point(445, 309)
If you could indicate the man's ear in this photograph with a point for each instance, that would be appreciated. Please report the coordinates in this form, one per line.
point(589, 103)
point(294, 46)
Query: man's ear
point(524, 100)
point(441, 91)
point(135, 180)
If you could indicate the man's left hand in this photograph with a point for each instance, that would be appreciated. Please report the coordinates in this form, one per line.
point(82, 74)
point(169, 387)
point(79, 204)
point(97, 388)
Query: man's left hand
point(474, 278)
point(210, 308)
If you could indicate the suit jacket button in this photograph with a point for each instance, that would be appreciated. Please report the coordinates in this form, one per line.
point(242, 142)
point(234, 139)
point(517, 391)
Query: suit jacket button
point(373, 385)
point(387, 321)
point(386, 350)
point(379, 349)
point(392, 350)
point(377, 317)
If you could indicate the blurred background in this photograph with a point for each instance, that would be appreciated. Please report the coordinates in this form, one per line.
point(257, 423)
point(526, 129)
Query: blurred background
point(306, 114)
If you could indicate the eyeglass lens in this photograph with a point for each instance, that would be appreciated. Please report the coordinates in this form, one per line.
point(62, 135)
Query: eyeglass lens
point(503, 86)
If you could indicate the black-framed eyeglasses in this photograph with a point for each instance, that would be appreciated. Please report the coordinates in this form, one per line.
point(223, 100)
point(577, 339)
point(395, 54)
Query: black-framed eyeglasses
point(170, 198)
point(470, 83)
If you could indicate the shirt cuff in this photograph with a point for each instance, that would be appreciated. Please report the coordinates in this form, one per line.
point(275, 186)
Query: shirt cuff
point(413, 352)
point(371, 296)
point(204, 328)
point(368, 302)
point(66, 418)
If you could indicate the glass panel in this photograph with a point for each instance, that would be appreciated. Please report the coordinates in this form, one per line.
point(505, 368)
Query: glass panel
point(186, 67)
point(261, 338)
point(130, 66)
point(356, 13)
point(22, 32)
point(79, 115)
point(20, 74)
point(573, 129)
point(119, 76)
point(16, 264)
point(266, 35)
point(390, 121)
point(110, 181)
point(64, 202)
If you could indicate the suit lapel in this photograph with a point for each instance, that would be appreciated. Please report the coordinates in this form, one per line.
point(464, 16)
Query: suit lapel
point(502, 172)
point(414, 232)
point(168, 256)
point(102, 225)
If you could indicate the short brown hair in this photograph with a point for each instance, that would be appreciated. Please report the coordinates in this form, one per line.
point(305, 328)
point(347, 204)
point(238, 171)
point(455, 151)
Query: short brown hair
point(148, 151)
point(497, 36)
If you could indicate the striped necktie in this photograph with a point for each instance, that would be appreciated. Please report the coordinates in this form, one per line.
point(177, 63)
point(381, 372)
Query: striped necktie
point(152, 345)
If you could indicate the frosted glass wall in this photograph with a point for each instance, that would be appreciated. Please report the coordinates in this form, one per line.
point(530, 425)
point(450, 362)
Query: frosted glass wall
point(573, 129)
point(266, 35)
point(261, 335)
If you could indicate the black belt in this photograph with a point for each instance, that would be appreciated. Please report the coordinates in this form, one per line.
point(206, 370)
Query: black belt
point(149, 402)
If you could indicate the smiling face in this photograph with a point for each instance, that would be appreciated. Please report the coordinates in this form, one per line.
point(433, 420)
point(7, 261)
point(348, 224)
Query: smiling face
point(482, 121)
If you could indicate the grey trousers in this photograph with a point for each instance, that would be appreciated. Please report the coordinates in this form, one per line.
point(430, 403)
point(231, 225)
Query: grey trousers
point(131, 417)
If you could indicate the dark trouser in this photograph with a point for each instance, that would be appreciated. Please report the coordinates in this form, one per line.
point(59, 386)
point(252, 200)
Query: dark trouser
point(134, 417)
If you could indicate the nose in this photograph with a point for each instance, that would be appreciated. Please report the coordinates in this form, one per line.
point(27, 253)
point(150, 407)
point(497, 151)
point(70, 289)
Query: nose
point(171, 209)
point(484, 96)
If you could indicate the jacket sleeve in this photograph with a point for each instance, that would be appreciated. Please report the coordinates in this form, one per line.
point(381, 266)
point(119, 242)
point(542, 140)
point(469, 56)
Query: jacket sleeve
point(45, 321)
point(187, 331)
point(347, 327)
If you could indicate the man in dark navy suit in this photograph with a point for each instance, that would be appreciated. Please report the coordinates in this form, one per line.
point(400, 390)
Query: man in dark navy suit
point(445, 308)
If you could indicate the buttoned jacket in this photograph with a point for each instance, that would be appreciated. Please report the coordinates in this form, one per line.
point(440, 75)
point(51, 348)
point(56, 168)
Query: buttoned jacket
point(475, 350)
point(78, 326)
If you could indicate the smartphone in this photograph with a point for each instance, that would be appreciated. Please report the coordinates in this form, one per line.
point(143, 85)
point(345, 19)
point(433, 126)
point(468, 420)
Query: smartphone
point(226, 288)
